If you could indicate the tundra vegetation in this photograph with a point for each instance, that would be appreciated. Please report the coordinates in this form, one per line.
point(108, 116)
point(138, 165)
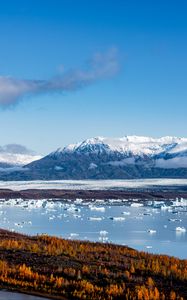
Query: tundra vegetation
point(66, 269)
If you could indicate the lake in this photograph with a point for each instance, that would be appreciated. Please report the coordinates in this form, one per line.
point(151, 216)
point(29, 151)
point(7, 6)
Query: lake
point(149, 228)
point(17, 296)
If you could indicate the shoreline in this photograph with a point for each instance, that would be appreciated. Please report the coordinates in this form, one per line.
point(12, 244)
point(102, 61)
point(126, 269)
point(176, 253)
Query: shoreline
point(32, 293)
point(64, 194)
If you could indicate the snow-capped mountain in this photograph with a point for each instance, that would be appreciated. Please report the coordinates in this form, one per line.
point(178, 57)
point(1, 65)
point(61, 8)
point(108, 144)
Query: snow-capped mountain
point(129, 145)
point(113, 158)
point(14, 155)
point(165, 152)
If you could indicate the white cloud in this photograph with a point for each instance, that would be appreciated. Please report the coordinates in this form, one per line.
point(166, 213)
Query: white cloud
point(173, 163)
point(101, 66)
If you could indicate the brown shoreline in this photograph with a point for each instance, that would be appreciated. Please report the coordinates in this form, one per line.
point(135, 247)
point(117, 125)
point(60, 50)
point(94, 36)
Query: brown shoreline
point(92, 194)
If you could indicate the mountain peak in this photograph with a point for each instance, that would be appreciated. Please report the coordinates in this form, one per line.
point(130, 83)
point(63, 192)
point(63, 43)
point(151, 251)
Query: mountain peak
point(134, 145)
point(112, 158)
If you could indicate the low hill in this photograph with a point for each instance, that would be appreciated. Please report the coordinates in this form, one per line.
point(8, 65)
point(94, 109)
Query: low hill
point(64, 269)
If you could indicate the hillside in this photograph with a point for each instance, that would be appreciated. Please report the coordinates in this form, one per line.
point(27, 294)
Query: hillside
point(65, 269)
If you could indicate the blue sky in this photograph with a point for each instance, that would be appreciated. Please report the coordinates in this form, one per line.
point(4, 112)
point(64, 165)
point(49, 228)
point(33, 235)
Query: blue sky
point(41, 39)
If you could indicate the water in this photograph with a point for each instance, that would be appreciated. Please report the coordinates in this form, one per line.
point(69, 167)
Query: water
point(73, 222)
point(17, 296)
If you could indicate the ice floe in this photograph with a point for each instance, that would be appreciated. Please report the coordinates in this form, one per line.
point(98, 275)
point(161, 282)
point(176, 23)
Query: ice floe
point(95, 219)
point(151, 231)
point(180, 229)
point(136, 204)
point(117, 218)
point(97, 208)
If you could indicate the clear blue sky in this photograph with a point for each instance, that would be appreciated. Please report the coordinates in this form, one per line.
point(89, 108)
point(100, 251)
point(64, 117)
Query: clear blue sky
point(148, 96)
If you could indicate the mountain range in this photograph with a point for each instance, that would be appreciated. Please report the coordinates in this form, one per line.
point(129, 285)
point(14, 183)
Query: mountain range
point(100, 158)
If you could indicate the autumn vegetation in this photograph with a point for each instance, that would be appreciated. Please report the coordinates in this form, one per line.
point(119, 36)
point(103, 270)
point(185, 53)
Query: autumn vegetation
point(65, 269)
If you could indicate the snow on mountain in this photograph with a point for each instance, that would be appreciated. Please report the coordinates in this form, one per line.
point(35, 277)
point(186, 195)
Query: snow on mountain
point(129, 145)
point(165, 152)
point(108, 158)
point(16, 155)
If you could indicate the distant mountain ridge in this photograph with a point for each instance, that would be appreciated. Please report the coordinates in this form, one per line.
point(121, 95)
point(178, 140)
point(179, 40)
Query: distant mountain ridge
point(135, 145)
point(15, 156)
point(110, 158)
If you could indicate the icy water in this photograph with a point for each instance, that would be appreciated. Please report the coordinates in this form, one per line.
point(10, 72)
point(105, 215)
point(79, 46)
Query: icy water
point(144, 228)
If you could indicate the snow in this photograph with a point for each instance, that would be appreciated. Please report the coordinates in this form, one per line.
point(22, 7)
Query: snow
point(132, 148)
point(164, 152)
point(92, 166)
point(180, 147)
point(136, 145)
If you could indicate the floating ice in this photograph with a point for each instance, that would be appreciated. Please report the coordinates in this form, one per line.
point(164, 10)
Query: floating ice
point(78, 201)
point(126, 213)
point(151, 231)
point(95, 219)
point(103, 232)
point(73, 209)
point(95, 208)
point(117, 218)
point(136, 204)
point(179, 202)
point(103, 239)
point(72, 235)
point(180, 229)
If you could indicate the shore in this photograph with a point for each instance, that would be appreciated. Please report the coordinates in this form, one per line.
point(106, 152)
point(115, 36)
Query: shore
point(93, 194)
point(23, 295)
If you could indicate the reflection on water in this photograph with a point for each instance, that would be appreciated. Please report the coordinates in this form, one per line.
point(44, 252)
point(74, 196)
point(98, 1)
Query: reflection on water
point(144, 228)
point(17, 296)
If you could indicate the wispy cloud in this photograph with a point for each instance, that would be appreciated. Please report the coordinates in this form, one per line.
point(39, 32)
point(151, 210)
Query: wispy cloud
point(100, 66)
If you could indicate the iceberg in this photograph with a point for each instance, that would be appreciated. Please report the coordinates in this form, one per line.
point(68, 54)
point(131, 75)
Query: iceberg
point(180, 229)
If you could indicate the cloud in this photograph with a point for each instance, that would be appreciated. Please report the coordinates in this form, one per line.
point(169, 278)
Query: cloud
point(12, 169)
point(15, 149)
point(100, 66)
point(173, 163)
